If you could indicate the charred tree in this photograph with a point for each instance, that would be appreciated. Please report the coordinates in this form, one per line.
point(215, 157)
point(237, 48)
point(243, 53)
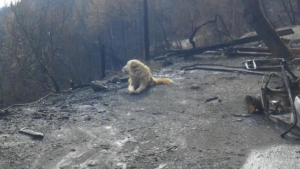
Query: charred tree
point(191, 39)
point(102, 61)
point(212, 21)
point(102, 57)
point(291, 15)
point(255, 17)
point(146, 31)
point(298, 5)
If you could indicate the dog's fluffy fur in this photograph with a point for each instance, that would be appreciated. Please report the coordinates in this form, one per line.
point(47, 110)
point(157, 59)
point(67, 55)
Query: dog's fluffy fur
point(140, 77)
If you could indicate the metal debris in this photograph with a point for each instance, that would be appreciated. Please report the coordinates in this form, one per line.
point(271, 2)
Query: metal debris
point(241, 115)
point(211, 99)
point(32, 133)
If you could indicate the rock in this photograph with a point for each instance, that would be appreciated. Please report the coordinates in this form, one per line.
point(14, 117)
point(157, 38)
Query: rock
point(101, 111)
point(140, 109)
point(195, 87)
point(87, 118)
point(105, 146)
point(64, 107)
point(98, 86)
point(167, 62)
point(64, 117)
point(91, 163)
point(238, 120)
point(241, 115)
point(37, 115)
point(114, 79)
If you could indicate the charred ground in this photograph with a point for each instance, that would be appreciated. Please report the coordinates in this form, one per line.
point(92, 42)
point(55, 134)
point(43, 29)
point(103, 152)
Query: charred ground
point(167, 126)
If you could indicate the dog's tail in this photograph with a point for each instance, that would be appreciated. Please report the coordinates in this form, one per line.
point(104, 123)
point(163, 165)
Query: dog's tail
point(162, 81)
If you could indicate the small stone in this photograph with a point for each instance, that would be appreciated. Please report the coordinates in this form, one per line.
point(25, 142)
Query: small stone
point(101, 111)
point(91, 163)
point(241, 154)
point(239, 120)
point(64, 117)
point(140, 109)
point(167, 62)
point(98, 86)
point(105, 146)
point(64, 107)
point(87, 118)
point(195, 87)
point(37, 115)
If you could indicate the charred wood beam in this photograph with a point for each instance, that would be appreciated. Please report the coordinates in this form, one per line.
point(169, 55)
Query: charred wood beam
point(294, 51)
point(211, 65)
point(251, 49)
point(247, 52)
point(224, 69)
point(238, 53)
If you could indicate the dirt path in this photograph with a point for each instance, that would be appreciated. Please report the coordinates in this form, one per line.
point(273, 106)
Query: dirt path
point(166, 127)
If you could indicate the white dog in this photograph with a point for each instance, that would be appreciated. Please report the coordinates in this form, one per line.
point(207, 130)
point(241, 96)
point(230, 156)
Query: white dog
point(140, 77)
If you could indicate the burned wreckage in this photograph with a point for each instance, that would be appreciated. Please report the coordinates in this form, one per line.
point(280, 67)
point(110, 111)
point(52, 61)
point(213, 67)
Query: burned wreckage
point(279, 103)
point(279, 99)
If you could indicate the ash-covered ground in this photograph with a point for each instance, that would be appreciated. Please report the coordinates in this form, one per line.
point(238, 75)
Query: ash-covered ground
point(165, 127)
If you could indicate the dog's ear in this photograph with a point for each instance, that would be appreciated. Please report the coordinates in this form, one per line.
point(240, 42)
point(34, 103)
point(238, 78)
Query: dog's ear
point(134, 65)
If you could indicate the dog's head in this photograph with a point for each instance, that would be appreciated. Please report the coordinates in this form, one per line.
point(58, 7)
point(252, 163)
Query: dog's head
point(131, 66)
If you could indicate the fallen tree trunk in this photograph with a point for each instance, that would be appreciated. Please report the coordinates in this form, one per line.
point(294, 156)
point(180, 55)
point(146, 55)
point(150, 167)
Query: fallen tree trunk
point(255, 17)
point(200, 50)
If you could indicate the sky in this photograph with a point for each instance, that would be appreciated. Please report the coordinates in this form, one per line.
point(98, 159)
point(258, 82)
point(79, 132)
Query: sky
point(3, 2)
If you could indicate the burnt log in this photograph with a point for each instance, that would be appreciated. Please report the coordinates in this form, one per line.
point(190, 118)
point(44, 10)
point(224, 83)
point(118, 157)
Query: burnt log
point(255, 17)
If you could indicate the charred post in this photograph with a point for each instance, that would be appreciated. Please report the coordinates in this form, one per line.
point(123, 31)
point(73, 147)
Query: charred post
point(146, 31)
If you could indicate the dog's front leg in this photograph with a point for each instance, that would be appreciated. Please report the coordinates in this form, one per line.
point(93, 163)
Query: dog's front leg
point(141, 88)
point(131, 89)
point(130, 86)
